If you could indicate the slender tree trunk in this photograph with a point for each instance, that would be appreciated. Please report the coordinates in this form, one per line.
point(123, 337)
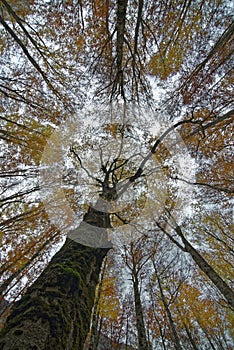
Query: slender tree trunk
point(161, 334)
point(168, 312)
point(120, 28)
point(95, 314)
point(148, 340)
point(142, 339)
point(120, 330)
point(194, 346)
point(127, 331)
point(139, 18)
point(120, 25)
point(224, 289)
point(55, 312)
point(156, 318)
point(219, 343)
point(99, 330)
point(207, 335)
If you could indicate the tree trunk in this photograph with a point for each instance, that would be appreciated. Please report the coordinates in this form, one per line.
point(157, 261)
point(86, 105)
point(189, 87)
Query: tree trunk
point(194, 346)
point(94, 332)
point(55, 312)
point(127, 333)
point(175, 336)
point(224, 289)
point(120, 28)
point(156, 318)
point(142, 339)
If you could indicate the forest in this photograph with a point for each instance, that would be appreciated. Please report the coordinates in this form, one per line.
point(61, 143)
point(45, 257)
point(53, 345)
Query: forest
point(116, 181)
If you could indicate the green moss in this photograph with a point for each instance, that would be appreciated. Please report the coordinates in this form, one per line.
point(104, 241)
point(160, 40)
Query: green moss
point(62, 297)
point(72, 272)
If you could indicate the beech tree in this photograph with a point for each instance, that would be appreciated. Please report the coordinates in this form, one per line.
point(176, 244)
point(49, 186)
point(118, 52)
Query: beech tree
point(135, 260)
point(155, 163)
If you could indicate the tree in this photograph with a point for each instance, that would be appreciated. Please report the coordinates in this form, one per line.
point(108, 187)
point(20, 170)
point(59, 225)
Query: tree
point(135, 259)
point(61, 287)
point(126, 50)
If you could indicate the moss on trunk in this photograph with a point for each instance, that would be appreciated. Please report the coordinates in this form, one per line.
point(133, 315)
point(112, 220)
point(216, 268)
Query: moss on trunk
point(56, 310)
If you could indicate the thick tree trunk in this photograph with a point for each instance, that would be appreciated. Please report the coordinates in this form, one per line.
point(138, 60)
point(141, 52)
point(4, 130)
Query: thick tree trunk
point(55, 312)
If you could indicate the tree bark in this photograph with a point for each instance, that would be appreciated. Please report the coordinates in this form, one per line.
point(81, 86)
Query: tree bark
point(55, 312)
point(120, 25)
point(94, 332)
point(120, 28)
point(142, 339)
point(224, 289)
point(175, 336)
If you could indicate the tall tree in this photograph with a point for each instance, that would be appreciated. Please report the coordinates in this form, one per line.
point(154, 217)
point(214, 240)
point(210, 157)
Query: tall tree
point(135, 260)
point(67, 287)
